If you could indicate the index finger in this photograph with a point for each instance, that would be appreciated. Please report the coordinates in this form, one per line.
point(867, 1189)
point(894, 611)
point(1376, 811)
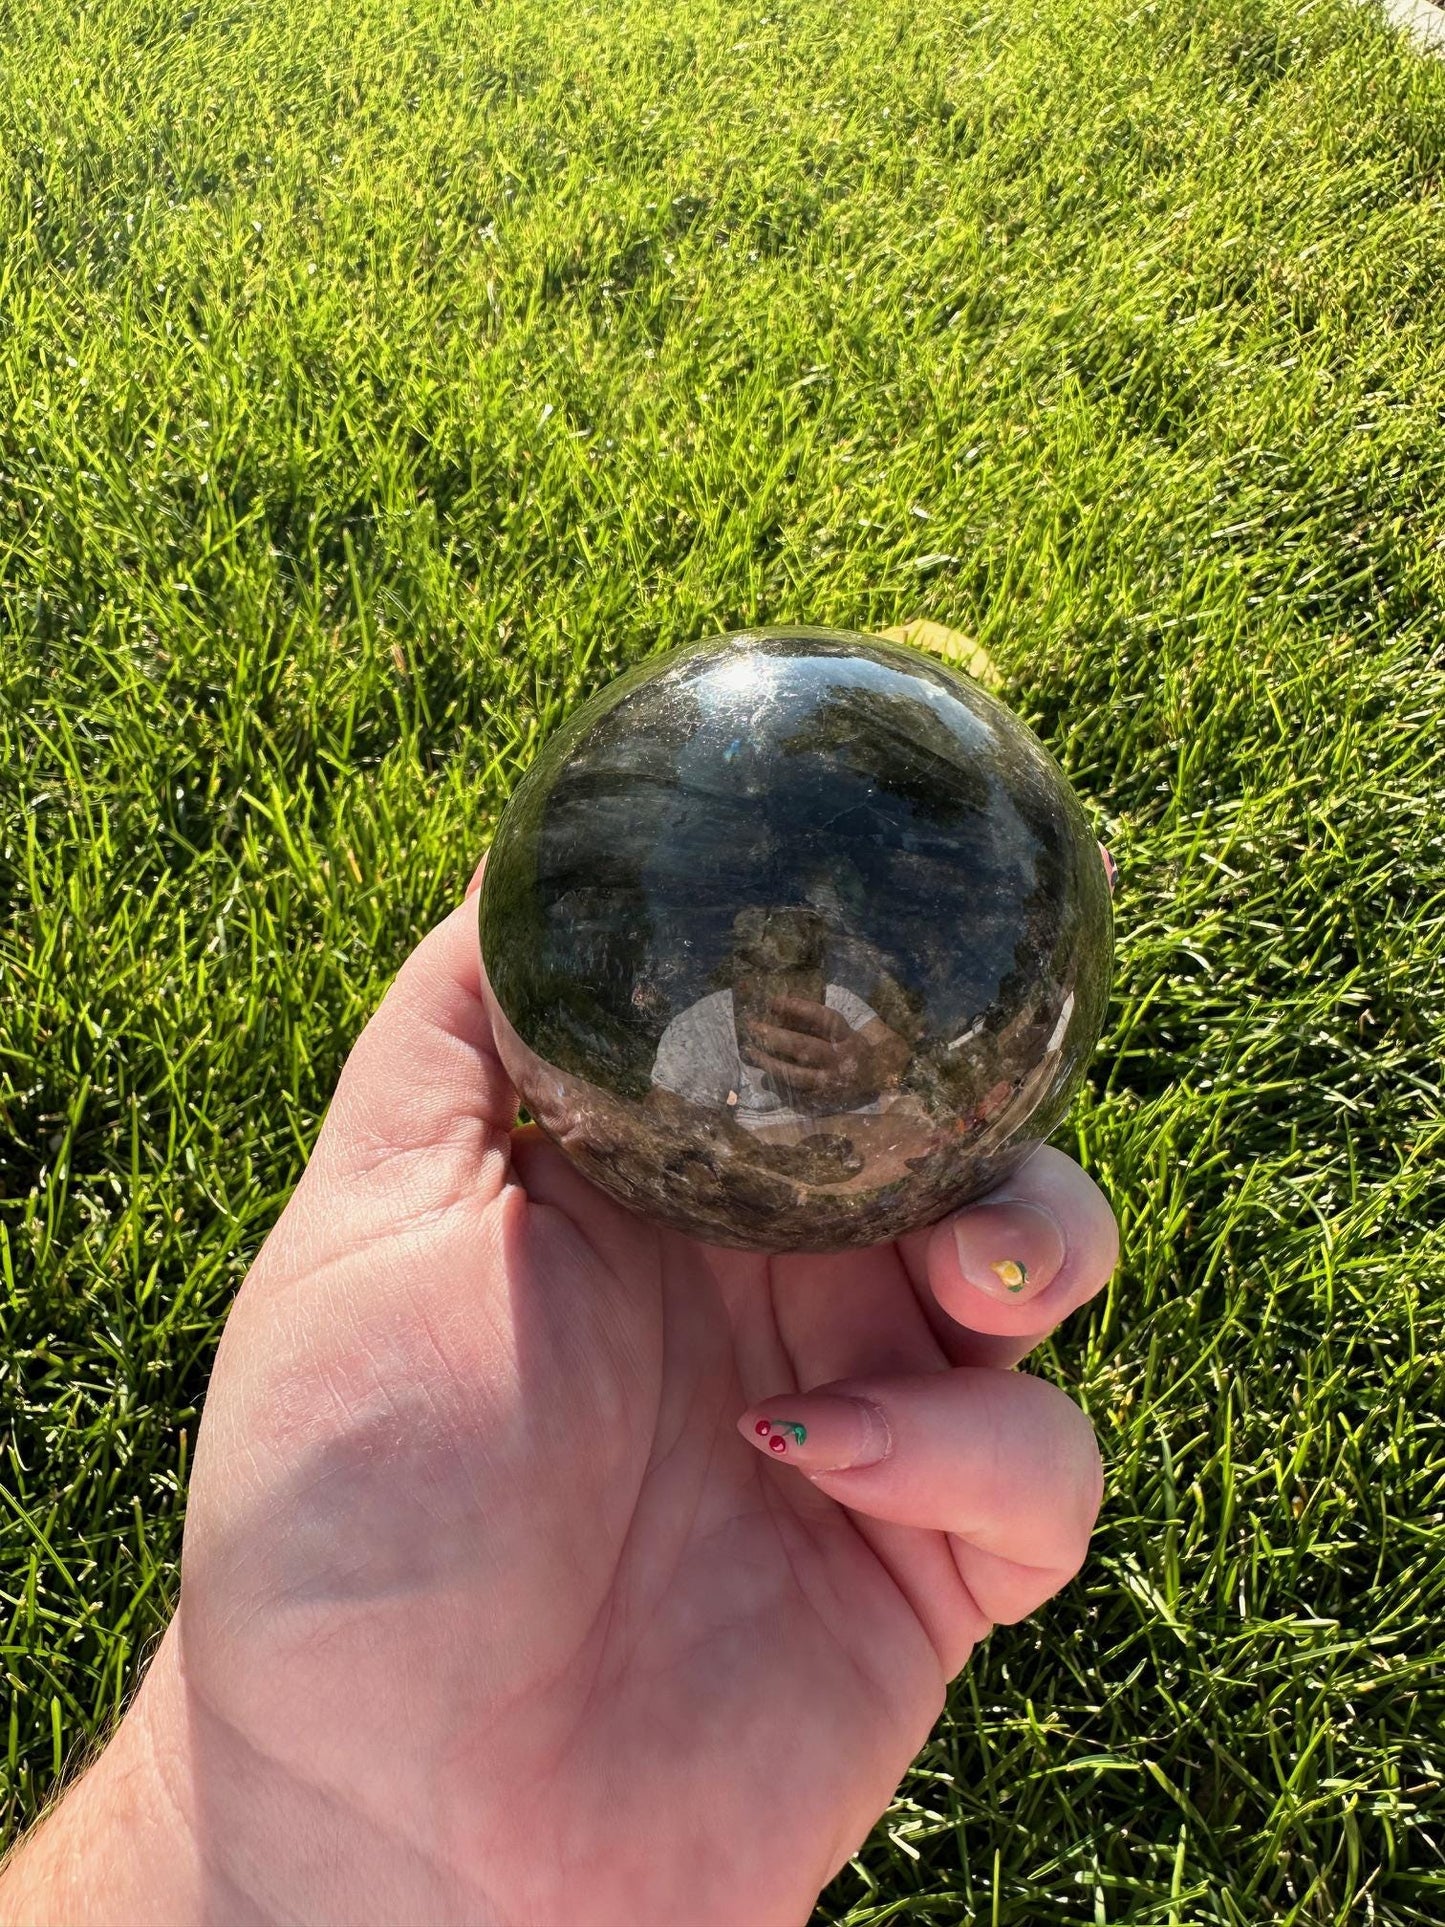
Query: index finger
point(801, 1013)
point(998, 1276)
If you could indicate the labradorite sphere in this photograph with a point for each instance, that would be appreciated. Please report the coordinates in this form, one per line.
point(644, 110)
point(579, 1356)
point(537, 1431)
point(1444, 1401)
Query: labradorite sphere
point(795, 939)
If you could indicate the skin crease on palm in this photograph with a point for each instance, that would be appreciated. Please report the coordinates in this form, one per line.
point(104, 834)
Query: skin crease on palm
point(494, 1609)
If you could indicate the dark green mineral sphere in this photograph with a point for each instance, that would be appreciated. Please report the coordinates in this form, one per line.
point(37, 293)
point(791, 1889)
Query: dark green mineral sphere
point(796, 939)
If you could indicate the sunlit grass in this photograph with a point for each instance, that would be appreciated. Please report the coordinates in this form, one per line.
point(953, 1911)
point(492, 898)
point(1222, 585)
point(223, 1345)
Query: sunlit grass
point(376, 380)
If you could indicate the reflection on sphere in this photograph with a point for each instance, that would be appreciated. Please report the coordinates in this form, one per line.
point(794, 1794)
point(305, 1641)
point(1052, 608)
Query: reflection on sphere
point(796, 939)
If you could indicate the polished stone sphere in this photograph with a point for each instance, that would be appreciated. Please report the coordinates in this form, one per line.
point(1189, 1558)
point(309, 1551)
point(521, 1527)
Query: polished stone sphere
point(795, 939)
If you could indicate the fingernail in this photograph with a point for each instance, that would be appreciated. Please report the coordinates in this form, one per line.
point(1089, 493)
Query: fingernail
point(1011, 1251)
point(819, 1432)
point(1111, 868)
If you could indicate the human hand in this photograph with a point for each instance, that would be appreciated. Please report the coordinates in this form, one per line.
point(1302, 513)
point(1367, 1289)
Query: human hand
point(815, 1057)
point(496, 1605)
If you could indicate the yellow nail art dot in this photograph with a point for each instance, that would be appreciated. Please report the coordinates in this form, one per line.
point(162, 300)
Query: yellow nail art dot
point(1010, 1273)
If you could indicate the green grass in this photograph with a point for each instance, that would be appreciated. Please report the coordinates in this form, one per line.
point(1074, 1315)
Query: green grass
point(375, 380)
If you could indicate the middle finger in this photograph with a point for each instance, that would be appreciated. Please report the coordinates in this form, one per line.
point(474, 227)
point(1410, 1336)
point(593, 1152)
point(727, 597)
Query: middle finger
point(796, 1075)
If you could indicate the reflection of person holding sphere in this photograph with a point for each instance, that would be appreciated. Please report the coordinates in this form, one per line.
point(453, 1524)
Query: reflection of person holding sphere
point(779, 1043)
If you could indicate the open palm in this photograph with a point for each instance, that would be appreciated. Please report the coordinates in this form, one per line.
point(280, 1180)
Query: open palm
point(495, 1610)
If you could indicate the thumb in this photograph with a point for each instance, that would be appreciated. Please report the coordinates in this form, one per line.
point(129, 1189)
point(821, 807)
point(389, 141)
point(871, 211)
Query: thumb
point(1006, 1464)
point(423, 1087)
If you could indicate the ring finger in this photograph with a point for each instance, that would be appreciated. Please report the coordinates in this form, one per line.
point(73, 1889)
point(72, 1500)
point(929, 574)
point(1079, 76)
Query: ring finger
point(996, 1277)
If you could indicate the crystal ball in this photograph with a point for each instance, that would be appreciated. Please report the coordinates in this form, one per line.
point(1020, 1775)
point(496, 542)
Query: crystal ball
point(795, 939)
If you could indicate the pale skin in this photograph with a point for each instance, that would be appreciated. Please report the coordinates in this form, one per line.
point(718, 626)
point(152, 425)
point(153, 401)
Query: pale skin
point(497, 1607)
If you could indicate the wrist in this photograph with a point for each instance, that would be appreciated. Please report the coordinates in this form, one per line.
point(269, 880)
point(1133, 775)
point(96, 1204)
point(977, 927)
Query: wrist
point(180, 1823)
point(119, 1846)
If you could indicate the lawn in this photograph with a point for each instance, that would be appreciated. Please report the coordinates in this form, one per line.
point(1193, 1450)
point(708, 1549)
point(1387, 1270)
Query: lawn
point(376, 380)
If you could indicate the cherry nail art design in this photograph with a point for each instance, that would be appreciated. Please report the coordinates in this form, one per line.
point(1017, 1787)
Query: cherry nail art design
point(777, 1431)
